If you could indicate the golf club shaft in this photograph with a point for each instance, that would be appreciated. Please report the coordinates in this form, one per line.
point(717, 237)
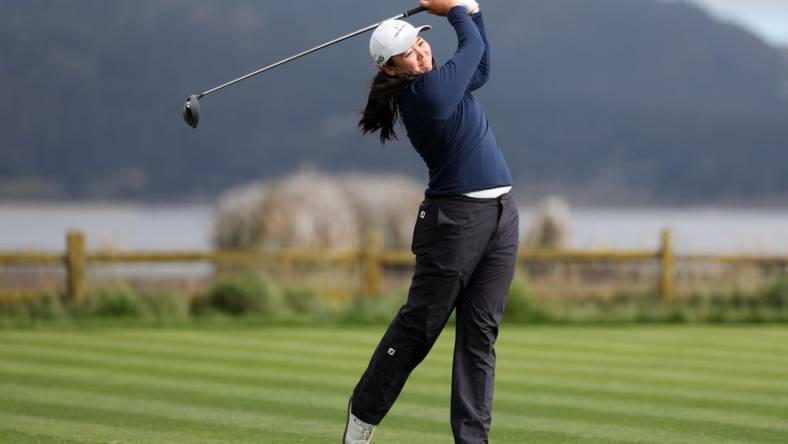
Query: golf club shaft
point(309, 51)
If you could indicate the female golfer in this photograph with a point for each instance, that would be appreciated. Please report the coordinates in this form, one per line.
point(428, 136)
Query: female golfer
point(466, 233)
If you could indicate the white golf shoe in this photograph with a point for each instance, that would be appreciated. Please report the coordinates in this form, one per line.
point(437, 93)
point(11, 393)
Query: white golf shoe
point(356, 430)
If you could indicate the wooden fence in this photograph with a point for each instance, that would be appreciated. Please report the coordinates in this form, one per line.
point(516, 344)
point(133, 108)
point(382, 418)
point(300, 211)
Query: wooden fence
point(372, 259)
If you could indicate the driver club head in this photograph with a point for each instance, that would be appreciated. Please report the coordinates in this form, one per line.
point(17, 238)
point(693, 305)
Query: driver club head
point(191, 111)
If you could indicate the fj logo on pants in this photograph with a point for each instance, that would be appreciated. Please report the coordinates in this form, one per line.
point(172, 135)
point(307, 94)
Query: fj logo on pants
point(392, 351)
point(422, 215)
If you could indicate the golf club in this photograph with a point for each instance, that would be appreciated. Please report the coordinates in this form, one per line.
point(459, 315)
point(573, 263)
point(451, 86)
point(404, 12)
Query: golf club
point(191, 109)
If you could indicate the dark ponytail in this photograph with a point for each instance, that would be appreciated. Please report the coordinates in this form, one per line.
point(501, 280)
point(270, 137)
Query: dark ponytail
point(382, 111)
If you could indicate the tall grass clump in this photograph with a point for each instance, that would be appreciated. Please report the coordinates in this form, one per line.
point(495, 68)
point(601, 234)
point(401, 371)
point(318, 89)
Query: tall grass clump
point(117, 300)
point(308, 304)
point(167, 306)
point(776, 295)
point(47, 308)
point(379, 309)
point(243, 294)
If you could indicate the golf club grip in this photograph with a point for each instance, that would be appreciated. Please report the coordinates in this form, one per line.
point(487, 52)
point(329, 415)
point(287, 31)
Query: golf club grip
point(414, 11)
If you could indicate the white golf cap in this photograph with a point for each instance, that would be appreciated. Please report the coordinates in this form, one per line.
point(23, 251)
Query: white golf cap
point(393, 37)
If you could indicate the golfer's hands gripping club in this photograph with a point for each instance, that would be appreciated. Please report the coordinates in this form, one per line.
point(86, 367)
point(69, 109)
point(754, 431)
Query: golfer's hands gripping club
point(442, 7)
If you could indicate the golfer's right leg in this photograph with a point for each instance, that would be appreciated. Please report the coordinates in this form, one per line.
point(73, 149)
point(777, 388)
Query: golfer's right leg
point(407, 341)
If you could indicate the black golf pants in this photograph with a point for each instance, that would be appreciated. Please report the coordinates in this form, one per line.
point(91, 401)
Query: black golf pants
point(466, 250)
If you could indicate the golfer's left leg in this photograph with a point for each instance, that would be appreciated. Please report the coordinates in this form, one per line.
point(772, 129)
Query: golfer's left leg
point(436, 283)
point(479, 312)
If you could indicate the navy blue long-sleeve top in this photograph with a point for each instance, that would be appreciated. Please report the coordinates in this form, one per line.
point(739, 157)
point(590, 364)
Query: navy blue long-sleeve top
point(445, 123)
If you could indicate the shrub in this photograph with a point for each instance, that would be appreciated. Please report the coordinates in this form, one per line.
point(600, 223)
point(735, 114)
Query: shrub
point(776, 295)
point(200, 305)
point(302, 300)
point(243, 294)
point(48, 307)
point(116, 301)
point(14, 310)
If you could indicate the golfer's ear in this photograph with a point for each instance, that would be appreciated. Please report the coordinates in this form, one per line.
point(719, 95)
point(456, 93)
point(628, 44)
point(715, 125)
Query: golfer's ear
point(388, 69)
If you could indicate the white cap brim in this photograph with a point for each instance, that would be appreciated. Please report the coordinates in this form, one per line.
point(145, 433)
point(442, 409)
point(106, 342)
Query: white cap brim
point(409, 40)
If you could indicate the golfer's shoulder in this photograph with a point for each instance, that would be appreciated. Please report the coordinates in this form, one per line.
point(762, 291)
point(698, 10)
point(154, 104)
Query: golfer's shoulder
point(432, 96)
point(416, 95)
point(427, 85)
point(414, 92)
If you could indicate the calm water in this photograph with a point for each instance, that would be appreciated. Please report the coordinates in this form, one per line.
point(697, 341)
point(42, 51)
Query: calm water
point(43, 227)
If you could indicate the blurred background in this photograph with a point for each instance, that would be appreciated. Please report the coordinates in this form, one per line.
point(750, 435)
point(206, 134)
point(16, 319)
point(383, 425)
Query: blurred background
point(630, 126)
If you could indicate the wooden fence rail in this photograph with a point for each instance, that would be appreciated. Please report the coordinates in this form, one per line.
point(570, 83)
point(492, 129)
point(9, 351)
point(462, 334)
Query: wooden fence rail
point(372, 260)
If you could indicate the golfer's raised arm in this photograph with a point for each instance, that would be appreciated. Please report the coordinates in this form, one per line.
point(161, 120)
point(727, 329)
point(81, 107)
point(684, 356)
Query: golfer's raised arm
point(482, 73)
point(443, 88)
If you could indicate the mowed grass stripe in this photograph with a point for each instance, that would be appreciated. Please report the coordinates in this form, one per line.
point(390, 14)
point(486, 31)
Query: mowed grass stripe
point(312, 356)
point(769, 340)
point(299, 376)
point(315, 349)
point(16, 437)
point(346, 366)
point(539, 432)
point(226, 421)
point(83, 431)
point(417, 415)
point(506, 367)
point(535, 404)
point(629, 344)
point(252, 373)
point(697, 339)
point(75, 400)
point(264, 388)
point(387, 433)
point(630, 347)
point(670, 359)
point(326, 415)
point(76, 411)
point(744, 338)
point(685, 420)
point(619, 340)
point(536, 394)
point(320, 348)
point(273, 408)
point(426, 392)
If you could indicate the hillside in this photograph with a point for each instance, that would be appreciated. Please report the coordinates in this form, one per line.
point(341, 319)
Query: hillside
point(611, 100)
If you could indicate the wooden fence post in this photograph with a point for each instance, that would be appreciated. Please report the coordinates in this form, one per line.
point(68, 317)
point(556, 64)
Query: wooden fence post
point(372, 270)
point(667, 266)
point(75, 265)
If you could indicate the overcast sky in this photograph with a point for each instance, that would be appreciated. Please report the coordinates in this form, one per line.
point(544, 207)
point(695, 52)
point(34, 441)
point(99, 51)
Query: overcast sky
point(767, 18)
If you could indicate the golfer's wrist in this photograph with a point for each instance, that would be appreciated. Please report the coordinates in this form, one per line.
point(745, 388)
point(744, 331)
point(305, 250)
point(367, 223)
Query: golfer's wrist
point(457, 9)
point(471, 6)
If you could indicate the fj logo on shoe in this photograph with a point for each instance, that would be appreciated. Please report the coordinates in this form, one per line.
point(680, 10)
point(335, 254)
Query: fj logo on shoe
point(422, 215)
point(392, 351)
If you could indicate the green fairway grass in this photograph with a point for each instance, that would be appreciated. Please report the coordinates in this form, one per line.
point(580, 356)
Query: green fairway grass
point(655, 384)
